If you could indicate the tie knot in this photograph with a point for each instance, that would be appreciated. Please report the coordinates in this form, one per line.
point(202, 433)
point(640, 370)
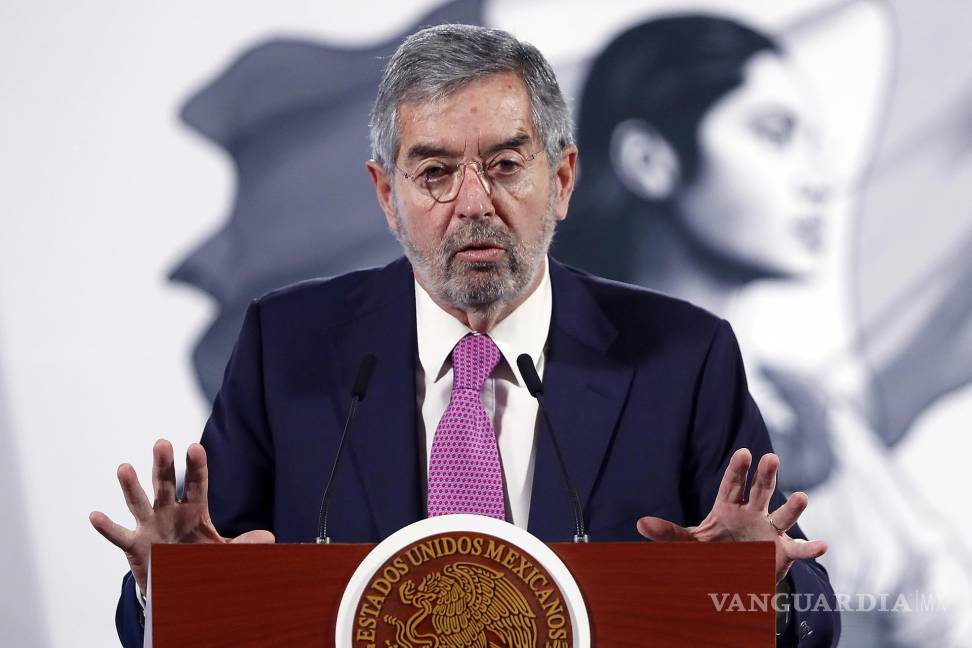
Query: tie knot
point(473, 359)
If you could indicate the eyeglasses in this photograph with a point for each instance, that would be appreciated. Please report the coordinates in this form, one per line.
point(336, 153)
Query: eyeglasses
point(441, 179)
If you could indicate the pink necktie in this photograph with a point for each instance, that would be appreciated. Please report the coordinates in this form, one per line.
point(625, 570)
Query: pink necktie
point(464, 470)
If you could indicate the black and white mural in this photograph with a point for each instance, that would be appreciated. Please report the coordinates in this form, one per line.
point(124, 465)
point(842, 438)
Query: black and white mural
point(802, 168)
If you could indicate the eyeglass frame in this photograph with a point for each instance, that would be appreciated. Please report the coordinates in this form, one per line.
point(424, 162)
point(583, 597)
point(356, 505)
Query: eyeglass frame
point(460, 171)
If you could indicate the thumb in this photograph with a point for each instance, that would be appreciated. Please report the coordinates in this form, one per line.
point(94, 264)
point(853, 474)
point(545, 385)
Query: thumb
point(799, 549)
point(661, 530)
point(254, 537)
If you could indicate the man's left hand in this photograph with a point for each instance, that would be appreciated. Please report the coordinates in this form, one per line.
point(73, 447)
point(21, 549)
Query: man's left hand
point(736, 519)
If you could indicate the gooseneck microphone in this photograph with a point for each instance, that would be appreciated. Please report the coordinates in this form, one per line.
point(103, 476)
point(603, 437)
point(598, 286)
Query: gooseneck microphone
point(361, 379)
point(535, 387)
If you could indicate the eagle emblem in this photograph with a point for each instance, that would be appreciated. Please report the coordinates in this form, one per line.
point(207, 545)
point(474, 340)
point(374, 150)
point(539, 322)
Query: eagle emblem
point(469, 605)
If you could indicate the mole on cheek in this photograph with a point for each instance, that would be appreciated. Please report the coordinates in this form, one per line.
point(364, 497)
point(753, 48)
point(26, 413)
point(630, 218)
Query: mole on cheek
point(473, 110)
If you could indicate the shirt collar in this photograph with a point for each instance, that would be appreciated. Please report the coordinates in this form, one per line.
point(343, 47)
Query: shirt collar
point(522, 331)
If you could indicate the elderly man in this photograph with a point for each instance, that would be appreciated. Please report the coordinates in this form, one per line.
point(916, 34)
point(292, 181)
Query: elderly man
point(474, 164)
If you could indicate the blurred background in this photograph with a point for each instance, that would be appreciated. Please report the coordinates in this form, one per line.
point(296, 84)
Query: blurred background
point(800, 167)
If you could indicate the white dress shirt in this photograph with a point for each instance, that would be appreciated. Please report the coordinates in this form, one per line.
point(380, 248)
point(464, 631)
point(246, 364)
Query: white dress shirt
point(511, 408)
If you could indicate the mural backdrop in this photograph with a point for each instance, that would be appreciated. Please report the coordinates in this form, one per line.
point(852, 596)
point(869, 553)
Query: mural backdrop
point(801, 168)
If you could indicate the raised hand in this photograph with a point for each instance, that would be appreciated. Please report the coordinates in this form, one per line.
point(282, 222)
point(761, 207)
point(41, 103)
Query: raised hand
point(735, 519)
point(167, 520)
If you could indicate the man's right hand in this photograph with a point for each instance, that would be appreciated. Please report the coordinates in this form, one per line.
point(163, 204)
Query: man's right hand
point(168, 520)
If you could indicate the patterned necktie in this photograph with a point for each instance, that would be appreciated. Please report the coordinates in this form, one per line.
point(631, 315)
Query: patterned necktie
point(464, 470)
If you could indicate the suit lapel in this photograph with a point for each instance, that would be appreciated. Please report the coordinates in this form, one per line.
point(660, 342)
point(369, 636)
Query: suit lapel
point(383, 444)
point(585, 391)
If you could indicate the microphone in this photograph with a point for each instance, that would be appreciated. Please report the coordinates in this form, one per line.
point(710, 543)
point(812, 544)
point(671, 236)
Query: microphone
point(529, 372)
point(361, 379)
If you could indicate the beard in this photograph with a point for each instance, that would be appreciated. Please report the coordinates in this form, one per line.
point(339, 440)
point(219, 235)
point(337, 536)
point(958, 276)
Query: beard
point(479, 286)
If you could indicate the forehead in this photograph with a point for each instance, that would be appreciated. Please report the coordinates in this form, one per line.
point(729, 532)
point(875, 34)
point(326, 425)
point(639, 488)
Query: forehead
point(770, 81)
point(482, 113)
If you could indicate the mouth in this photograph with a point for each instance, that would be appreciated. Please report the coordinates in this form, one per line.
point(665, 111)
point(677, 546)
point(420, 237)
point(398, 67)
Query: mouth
point(481, 252)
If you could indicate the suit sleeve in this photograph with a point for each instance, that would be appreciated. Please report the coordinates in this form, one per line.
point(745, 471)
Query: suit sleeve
point(239, 451)
point(726, 418)
point(129, 618)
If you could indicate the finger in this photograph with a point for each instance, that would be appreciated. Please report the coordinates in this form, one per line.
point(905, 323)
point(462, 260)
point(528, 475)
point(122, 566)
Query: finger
point(799, 549)
point(764, 483)
point(116, 534)
point(197, 475)
point(163, 473)
point(787, 515)
point(733, 484)
point(136, 499)
point(661, 530)
point(254, 537)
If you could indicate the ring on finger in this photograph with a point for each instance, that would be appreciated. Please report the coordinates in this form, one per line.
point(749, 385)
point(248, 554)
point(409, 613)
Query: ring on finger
point(779, 531)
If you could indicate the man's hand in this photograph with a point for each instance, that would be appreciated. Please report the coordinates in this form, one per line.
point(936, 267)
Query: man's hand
point(168, 520)
point(734, 519)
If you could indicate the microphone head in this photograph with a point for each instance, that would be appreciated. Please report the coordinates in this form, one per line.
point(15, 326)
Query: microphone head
point(363, 377)
point(529, 372)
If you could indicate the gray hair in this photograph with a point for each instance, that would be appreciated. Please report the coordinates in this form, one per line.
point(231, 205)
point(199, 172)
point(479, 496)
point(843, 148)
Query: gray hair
point(438, 61)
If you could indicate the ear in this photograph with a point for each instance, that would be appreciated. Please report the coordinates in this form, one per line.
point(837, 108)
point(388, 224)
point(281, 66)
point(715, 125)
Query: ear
point(644, 160)
point(565, 177)
point(383, 190)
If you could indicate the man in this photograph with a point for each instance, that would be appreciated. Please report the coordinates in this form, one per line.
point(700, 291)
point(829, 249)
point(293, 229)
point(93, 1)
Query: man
point(474, 162)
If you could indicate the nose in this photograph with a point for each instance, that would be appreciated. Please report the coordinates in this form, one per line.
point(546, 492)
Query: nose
point(474, 199)
point(816, 184)
point(816, 191)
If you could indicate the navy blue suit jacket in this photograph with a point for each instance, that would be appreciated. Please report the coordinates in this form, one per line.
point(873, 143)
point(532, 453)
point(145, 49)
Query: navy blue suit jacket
point(647, 392)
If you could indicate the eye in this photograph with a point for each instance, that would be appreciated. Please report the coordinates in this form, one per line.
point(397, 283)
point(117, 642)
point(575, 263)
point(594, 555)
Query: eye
point(776, 129)
point(434, 173)
point(506, 165)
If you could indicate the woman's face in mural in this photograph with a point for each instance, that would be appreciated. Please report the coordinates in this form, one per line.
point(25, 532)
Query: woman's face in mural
point(757, 200)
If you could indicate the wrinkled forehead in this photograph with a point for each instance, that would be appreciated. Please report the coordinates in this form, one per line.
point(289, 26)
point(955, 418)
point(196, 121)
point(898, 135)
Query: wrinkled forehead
point(482, 116)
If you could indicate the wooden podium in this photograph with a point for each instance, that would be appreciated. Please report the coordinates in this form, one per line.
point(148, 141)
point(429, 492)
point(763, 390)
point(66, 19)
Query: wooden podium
point(637, 594)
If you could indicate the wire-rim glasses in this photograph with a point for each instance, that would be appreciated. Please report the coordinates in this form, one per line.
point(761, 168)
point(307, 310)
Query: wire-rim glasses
point(441, 179)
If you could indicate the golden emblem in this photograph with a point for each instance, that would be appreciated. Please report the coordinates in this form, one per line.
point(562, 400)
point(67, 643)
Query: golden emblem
point(467, 602)
point(462, 590)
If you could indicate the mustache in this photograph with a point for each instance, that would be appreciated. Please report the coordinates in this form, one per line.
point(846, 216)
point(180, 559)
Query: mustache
point(477, 232)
